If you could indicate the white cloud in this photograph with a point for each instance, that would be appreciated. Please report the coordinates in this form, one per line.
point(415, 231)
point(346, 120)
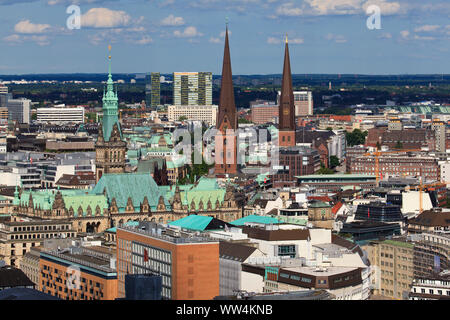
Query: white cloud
point(189, 32)
point(215, 40)
point(427, 28)
point(338, 38)
point(144, 40)
point(289, 10)
point(272, 40)
point(26, 27)
point(335, 7)
point(18, 39)
point(171, 20)
point(405, 34)
point(104, 18)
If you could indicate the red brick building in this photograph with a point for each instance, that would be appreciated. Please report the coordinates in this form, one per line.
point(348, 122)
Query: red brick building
point(189, 266)
point(398, 165)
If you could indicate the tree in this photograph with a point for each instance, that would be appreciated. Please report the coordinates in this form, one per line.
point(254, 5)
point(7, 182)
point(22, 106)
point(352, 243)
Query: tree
point(324, 170)
point(182, 118)
point(242, 120)
point(334, 162)
point(330, 129)
point(355, 138)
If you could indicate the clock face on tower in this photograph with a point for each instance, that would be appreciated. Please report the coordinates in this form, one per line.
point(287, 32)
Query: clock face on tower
point(286, 112)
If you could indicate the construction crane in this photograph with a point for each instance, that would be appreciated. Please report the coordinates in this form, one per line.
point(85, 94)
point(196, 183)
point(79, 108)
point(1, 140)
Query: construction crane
point(421, 188)
point(378, 153)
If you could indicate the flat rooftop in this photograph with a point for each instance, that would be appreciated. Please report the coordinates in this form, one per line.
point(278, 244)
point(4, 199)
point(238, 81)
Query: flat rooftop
point(312, 271)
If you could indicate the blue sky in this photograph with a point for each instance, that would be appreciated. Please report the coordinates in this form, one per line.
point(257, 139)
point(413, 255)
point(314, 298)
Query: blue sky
point(326, 36)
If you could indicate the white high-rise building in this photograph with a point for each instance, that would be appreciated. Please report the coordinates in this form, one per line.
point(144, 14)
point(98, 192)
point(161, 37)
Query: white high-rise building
point(303, 101)
point(19, 110)
point(192, 88)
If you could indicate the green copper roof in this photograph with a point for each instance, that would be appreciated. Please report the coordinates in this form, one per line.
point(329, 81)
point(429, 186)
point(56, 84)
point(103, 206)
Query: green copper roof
point(134, 185)
point(256, 219)
point(193, 222)
point(110, 108)
point(43, 199)
point(319, 204)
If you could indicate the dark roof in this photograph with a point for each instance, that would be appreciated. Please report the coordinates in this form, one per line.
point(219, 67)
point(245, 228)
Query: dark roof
point(25, 294)
point(346, 244)
point(432, 219)
point(309, 136)
point(229, 250)
point(12, 277)
point(276, 235)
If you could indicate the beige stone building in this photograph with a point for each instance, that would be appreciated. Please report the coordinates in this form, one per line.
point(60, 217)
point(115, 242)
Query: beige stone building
point(320, 215)
point(30, 265)
point(18, 237)
point(392, 267)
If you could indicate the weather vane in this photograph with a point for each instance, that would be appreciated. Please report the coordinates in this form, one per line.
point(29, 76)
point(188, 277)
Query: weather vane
point(227, 20)
point(109, 49)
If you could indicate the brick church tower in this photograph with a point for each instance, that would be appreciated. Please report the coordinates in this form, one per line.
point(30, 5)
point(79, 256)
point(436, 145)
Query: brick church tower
point(286, 126)
point(226, 143)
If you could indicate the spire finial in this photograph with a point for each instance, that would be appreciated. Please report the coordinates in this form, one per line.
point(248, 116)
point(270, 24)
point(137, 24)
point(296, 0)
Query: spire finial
point(287, 38)
point(227, 20)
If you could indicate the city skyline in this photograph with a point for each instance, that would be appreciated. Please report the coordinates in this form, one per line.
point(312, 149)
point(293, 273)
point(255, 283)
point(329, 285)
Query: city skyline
point(169, 36)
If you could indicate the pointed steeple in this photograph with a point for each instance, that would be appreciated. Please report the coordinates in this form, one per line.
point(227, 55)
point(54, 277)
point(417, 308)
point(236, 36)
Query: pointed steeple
point(227, 106)
point(110, 105)
point(287, 107)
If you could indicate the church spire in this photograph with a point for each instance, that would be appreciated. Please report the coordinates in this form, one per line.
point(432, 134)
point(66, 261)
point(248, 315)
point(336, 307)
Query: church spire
point(287, 107)
point(227, 106)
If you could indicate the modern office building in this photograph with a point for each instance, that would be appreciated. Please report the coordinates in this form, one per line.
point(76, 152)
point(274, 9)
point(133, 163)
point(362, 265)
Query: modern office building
point(4, 96)
point(19, 110)
point(155, 89)
point(192, 88)
point(79, 273)
point(188, 264)
point(60, 115)
point(303, 101)
point(203, 113)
